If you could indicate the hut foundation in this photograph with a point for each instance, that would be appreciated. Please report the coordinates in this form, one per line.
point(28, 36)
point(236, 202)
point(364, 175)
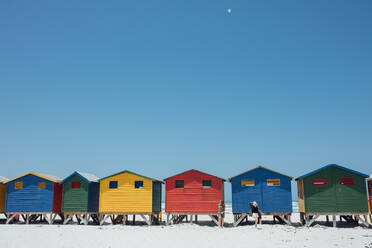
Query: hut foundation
point(29, 218)
point(123, 218)
point(82, 218)
point(284, 218)
point(308, 219)
point(176, 218)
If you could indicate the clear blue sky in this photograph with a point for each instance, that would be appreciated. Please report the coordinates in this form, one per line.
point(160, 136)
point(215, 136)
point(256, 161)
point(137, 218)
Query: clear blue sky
point(159, 87)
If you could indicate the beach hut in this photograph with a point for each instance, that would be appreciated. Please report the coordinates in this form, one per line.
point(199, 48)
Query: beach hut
point(2, 193)
point(332, 190)
point(80, 197)
point(192, 193)
point(128, 193)
point(270, 189)
point(369, 187)
point(33, 196)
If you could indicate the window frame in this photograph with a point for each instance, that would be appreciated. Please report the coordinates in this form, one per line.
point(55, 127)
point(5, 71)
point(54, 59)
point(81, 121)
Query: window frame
point(41, 185)
point(347, 181)
point(246, 184)
point(75, 185)
point(113, 184)
point(320, 182)
point(139, 187)
point(18, 185)
point(206, 186)
point(178, 186)
point(273, 183)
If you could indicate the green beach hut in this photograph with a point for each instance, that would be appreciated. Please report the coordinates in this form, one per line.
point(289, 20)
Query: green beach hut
point(332, 190)
point(80, 197)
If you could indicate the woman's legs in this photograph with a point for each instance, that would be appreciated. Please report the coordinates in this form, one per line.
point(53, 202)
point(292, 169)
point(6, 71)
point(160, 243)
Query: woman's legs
point(220, 221)
point(255, 221)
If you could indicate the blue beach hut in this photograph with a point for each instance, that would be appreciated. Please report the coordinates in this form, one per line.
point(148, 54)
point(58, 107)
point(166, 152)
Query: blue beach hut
point(270, 189)
point(33, 196)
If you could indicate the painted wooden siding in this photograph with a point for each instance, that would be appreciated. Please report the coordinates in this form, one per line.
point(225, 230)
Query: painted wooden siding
point(57, 198)
point(93, 201)
point(270, 199)
point(2, 197)
point(193, 198)
point(369, 186)
point(335, 197)
point(75, 200)
point(30, 198)
point(156, 197)
point(300, 192)
point(126, 198)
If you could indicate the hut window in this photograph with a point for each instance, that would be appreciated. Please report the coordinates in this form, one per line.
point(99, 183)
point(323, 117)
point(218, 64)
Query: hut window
point(138, 184)
point(273, 182)
point(207, 183)
point(18, 185)
point(248, 183)
point(41, 185)
point(320, 181)
point(75, 185)
point(113, 185)
point(347, 181)
point(180, 184)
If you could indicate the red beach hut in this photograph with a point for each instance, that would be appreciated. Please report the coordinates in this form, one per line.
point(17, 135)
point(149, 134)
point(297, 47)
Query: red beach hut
point(192, 193)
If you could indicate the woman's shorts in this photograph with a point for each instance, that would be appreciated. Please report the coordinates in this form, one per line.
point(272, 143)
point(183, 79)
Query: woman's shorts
point(221, 215)
point(255, 215)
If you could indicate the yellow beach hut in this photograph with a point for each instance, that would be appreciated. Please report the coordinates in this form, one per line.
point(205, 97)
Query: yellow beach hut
point(128, 193)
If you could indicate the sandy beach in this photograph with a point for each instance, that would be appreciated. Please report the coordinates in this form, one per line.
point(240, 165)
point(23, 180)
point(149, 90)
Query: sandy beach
point(202, 234)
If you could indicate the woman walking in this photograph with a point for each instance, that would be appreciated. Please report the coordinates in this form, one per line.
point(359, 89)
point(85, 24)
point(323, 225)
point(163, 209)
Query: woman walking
point(256, 213)
point(221, 213)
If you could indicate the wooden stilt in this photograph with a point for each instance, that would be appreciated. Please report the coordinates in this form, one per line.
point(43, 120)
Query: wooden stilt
point(365, 221)
point(10, 218)
point(312, 220)
point(239, 220)
point(285, 219)
point(334, 220)
point(168, 218)
point(103, 219)
point(214, 219)
point(67, 219)
point(146, 220)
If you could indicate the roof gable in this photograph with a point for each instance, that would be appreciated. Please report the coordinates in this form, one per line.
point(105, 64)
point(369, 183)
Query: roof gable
point(333, 165)
point(44, 176)
point(127, 171)
point(260, 167)
point(86, 176)
point(195, 171)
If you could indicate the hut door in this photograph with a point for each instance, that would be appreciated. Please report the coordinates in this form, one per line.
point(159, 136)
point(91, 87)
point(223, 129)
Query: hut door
point(349, 195)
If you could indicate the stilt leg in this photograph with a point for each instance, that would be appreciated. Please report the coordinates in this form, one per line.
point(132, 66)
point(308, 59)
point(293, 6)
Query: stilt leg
point(334, 220)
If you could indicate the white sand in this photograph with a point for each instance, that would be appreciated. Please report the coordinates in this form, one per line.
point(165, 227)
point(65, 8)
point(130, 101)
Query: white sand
point(204, 234)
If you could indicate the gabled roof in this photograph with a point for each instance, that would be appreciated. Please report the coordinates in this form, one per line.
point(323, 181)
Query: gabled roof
point(259, 167)
point(127, 171)
point(196, 171)
point(86, 176)
point(333, 165)
point(3, 179)
point(45, 176)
